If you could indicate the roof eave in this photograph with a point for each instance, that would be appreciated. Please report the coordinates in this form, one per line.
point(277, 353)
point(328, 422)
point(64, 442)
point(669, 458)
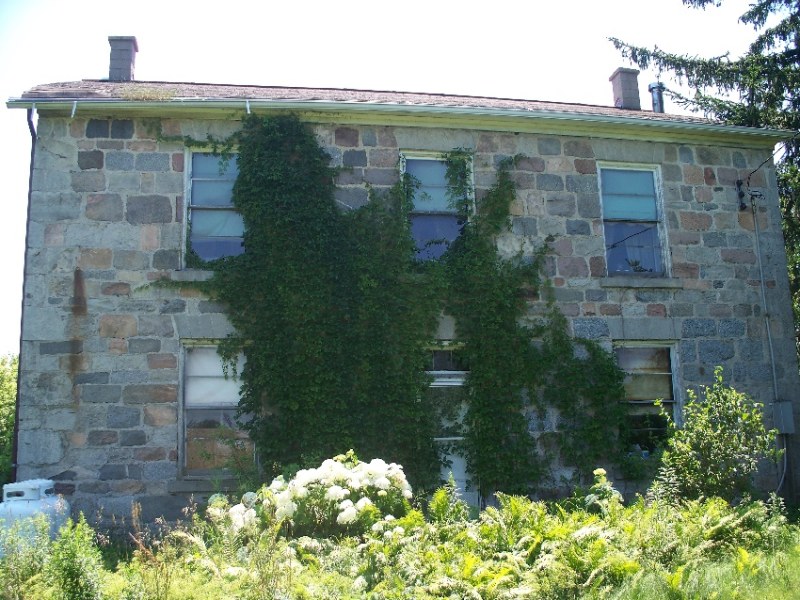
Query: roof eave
point(528, 121)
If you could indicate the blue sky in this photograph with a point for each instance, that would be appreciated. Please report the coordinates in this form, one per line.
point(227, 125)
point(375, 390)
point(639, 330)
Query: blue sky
point(519, 49)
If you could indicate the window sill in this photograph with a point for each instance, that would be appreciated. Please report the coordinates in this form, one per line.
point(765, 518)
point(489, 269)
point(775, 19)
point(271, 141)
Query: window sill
point(191, 275)
point(624, 281)
point(199, 486)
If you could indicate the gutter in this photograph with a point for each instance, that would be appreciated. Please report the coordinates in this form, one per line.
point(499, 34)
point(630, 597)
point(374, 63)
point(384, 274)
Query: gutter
point(521, 119)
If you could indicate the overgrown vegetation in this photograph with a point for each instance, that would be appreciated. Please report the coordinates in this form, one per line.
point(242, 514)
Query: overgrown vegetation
point(368, 542)
point(719, 446)
point(352, 529)
point(8, 400)
point(336, 317)
point(332, 317)
point(74, 564)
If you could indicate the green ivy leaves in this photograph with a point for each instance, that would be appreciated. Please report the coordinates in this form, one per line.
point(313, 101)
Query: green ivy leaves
point(336, 318)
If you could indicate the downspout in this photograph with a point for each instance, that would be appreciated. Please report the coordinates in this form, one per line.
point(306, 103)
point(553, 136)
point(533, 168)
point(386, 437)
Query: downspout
point(15, 438)
point(775, 398)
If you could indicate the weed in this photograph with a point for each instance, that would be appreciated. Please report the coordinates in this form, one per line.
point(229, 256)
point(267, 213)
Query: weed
point(75, 565)
point(24, 547)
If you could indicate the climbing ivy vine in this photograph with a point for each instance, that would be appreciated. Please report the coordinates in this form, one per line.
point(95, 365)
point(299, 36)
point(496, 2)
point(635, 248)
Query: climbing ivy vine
point(521, 366)
point(336, 318)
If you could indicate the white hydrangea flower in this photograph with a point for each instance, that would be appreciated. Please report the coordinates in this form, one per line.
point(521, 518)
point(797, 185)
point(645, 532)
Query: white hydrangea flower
point(277, 484)
point(297, 488)
point(377, 527)
point(336, 492)
point(234, 572)
point(285, 510)
point(241, 516)
point(347, 516)
point(378, 466)
point(383, 483)
point(215, 513)
point(345, 504)
point(329, 465)
point(363, 503)
point(236, 510)
point(283, 497)
point(407, 494)
point(382, 493)
point(249, 499)
point(359, 584)
point(304, 477)
point(309, 544)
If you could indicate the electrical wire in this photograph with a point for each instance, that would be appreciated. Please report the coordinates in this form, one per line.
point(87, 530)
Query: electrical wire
point(770, 157)
point(617, 243)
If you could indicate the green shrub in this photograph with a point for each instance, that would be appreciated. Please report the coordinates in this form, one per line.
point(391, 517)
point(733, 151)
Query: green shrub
point(718, 447)
point(75, 566)
point(8, 399)
point(24, 547)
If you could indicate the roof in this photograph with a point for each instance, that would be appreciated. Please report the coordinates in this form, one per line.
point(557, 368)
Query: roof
point(96, 89)
point(92, 96)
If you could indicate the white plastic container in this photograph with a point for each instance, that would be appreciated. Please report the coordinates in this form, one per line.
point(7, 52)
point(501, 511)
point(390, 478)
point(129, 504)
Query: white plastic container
point(26, 499)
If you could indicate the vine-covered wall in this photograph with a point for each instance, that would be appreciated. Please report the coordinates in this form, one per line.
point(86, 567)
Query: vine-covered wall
point(334, 313)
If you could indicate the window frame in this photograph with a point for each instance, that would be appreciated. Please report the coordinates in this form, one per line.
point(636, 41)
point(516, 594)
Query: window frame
point(437, 156)
point(187, 346)
point(450, 378)
point(660, 222)
point(671, 348)
point(189, 207)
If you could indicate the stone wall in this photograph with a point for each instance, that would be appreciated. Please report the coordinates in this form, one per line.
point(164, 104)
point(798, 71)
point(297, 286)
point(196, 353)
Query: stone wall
point(101, 352)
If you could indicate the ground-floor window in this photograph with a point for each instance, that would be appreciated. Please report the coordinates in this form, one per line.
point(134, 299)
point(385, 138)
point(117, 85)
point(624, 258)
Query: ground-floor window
point(449, 396)
point(213, 439)
point(648, 377)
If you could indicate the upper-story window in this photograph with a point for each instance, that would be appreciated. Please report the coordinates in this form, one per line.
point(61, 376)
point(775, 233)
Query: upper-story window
point(632, 221)
point(216, 229)
point(435, 220)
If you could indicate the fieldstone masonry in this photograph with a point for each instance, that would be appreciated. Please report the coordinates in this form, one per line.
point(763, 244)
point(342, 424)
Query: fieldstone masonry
point(101, 368)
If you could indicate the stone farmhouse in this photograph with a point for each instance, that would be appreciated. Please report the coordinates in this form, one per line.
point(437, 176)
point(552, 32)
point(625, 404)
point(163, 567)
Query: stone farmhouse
point(667, 250)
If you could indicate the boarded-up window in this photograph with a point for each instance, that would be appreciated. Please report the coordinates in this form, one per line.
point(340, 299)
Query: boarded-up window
point(213, 438)
point(648, 377)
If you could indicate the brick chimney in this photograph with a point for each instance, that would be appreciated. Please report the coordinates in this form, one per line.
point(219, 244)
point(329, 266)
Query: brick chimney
point(625, 84)
point(123, 57)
